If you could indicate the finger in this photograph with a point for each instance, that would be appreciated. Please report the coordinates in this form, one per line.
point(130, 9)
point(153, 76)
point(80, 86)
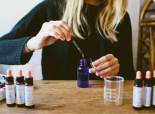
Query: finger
point(101, 76)
point(55, 35)
point(108, 70)
point(103, 59)
point(59, 31)
point(67, 27)
point(115, 72)
point(50, 26)
point(50, 33)
point(91, 71)
point(66, 33)
point(106, 65)
point(112, 73)
point(105, 75)
point(60, 27)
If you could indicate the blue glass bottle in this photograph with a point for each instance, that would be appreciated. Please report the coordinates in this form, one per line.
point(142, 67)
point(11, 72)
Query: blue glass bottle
point(83, 74)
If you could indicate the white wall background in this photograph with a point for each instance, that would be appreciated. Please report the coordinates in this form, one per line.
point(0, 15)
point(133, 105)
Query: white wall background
point(134, 12)
point(11, 11)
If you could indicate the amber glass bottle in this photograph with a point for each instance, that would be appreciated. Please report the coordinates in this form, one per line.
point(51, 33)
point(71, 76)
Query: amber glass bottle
point(148, 90)
point(10, 90)
point(137, 92)
point(29, 91)
point(20, 90)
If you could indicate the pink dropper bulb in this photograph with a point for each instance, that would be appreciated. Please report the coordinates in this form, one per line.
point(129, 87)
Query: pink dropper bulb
point(138, 75)
point(9, 73)
point(20, 73)
point(29, 74)
point(154, 74)
point(148, 75)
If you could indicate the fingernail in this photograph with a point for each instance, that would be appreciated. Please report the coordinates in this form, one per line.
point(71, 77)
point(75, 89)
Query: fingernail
point(94, 64)
point(97, 73)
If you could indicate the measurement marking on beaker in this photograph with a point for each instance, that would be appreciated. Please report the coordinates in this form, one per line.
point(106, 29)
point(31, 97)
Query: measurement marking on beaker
point(111, 95)
point(111, 89)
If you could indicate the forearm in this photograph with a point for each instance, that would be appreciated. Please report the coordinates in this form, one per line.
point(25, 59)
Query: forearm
point(11, 51)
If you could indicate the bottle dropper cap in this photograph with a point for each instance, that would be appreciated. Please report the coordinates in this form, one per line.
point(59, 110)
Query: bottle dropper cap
point(138, 75)
point(9, 73)
point(20, 77)
point(29, 78)
point(154, 74)
point(148, 78)
point(148, 75)
point(138, 79)
point(9, 77)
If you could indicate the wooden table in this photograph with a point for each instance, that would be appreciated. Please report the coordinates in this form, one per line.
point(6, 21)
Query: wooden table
point(65, 97)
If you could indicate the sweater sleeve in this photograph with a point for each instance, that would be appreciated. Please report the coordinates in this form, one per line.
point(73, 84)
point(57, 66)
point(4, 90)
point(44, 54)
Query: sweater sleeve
point(12, 43)
point(124, 48)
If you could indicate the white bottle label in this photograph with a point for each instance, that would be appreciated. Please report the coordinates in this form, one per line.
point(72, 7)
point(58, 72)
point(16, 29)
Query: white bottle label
point(20, 94)
point(147, 96)
point(153, 97)
point(10, 94)
point(137, 96)
point(29, 95)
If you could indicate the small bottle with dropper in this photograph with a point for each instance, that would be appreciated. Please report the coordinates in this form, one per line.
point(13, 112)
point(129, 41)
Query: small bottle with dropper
point(148, 90)
point(10, 90)
point(29, 91)
point(137, 92)
point(153, 95)
point(20, 90)
point(83, 74)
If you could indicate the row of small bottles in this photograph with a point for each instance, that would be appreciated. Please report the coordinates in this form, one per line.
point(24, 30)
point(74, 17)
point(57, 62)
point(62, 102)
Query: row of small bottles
point(24, 90)
point(144, 96)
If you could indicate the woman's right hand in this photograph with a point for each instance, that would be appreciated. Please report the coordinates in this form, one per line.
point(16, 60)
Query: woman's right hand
point(49, 33)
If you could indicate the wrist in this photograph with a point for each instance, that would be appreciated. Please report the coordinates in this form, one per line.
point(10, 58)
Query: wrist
point(30, 45)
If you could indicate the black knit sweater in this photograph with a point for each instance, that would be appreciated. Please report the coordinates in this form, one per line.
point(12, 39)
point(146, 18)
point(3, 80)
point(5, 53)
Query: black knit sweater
point(60, 60)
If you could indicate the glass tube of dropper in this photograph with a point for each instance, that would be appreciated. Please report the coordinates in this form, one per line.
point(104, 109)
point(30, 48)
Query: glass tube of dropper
point(78, 48)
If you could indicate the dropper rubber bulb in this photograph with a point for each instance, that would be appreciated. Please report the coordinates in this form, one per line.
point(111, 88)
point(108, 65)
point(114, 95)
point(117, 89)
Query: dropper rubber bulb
point(20, 73)
point(138, 75)
point(9, 73)
point(29, 74)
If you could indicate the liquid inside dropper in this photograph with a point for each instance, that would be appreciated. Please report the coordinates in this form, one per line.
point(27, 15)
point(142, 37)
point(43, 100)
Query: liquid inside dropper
point(78, 48)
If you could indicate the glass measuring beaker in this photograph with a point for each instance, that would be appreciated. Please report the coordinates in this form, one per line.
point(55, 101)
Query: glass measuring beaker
point(113, 90)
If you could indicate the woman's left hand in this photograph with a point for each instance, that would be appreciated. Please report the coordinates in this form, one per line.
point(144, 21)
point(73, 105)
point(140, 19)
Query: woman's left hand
point(105, 66)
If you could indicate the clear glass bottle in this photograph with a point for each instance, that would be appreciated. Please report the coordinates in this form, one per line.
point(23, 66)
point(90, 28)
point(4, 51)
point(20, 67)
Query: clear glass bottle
point(83, 74)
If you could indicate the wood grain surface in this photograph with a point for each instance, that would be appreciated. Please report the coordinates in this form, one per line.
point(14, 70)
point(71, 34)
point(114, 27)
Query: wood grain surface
point(65, 97)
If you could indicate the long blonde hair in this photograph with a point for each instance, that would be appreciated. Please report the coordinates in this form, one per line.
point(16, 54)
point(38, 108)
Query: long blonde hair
point(109, 16)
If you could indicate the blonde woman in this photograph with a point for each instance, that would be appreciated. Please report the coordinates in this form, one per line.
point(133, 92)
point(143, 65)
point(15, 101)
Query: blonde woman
point(101, 28)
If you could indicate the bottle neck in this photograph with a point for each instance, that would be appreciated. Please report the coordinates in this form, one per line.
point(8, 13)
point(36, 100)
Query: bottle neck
point(83, 62)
